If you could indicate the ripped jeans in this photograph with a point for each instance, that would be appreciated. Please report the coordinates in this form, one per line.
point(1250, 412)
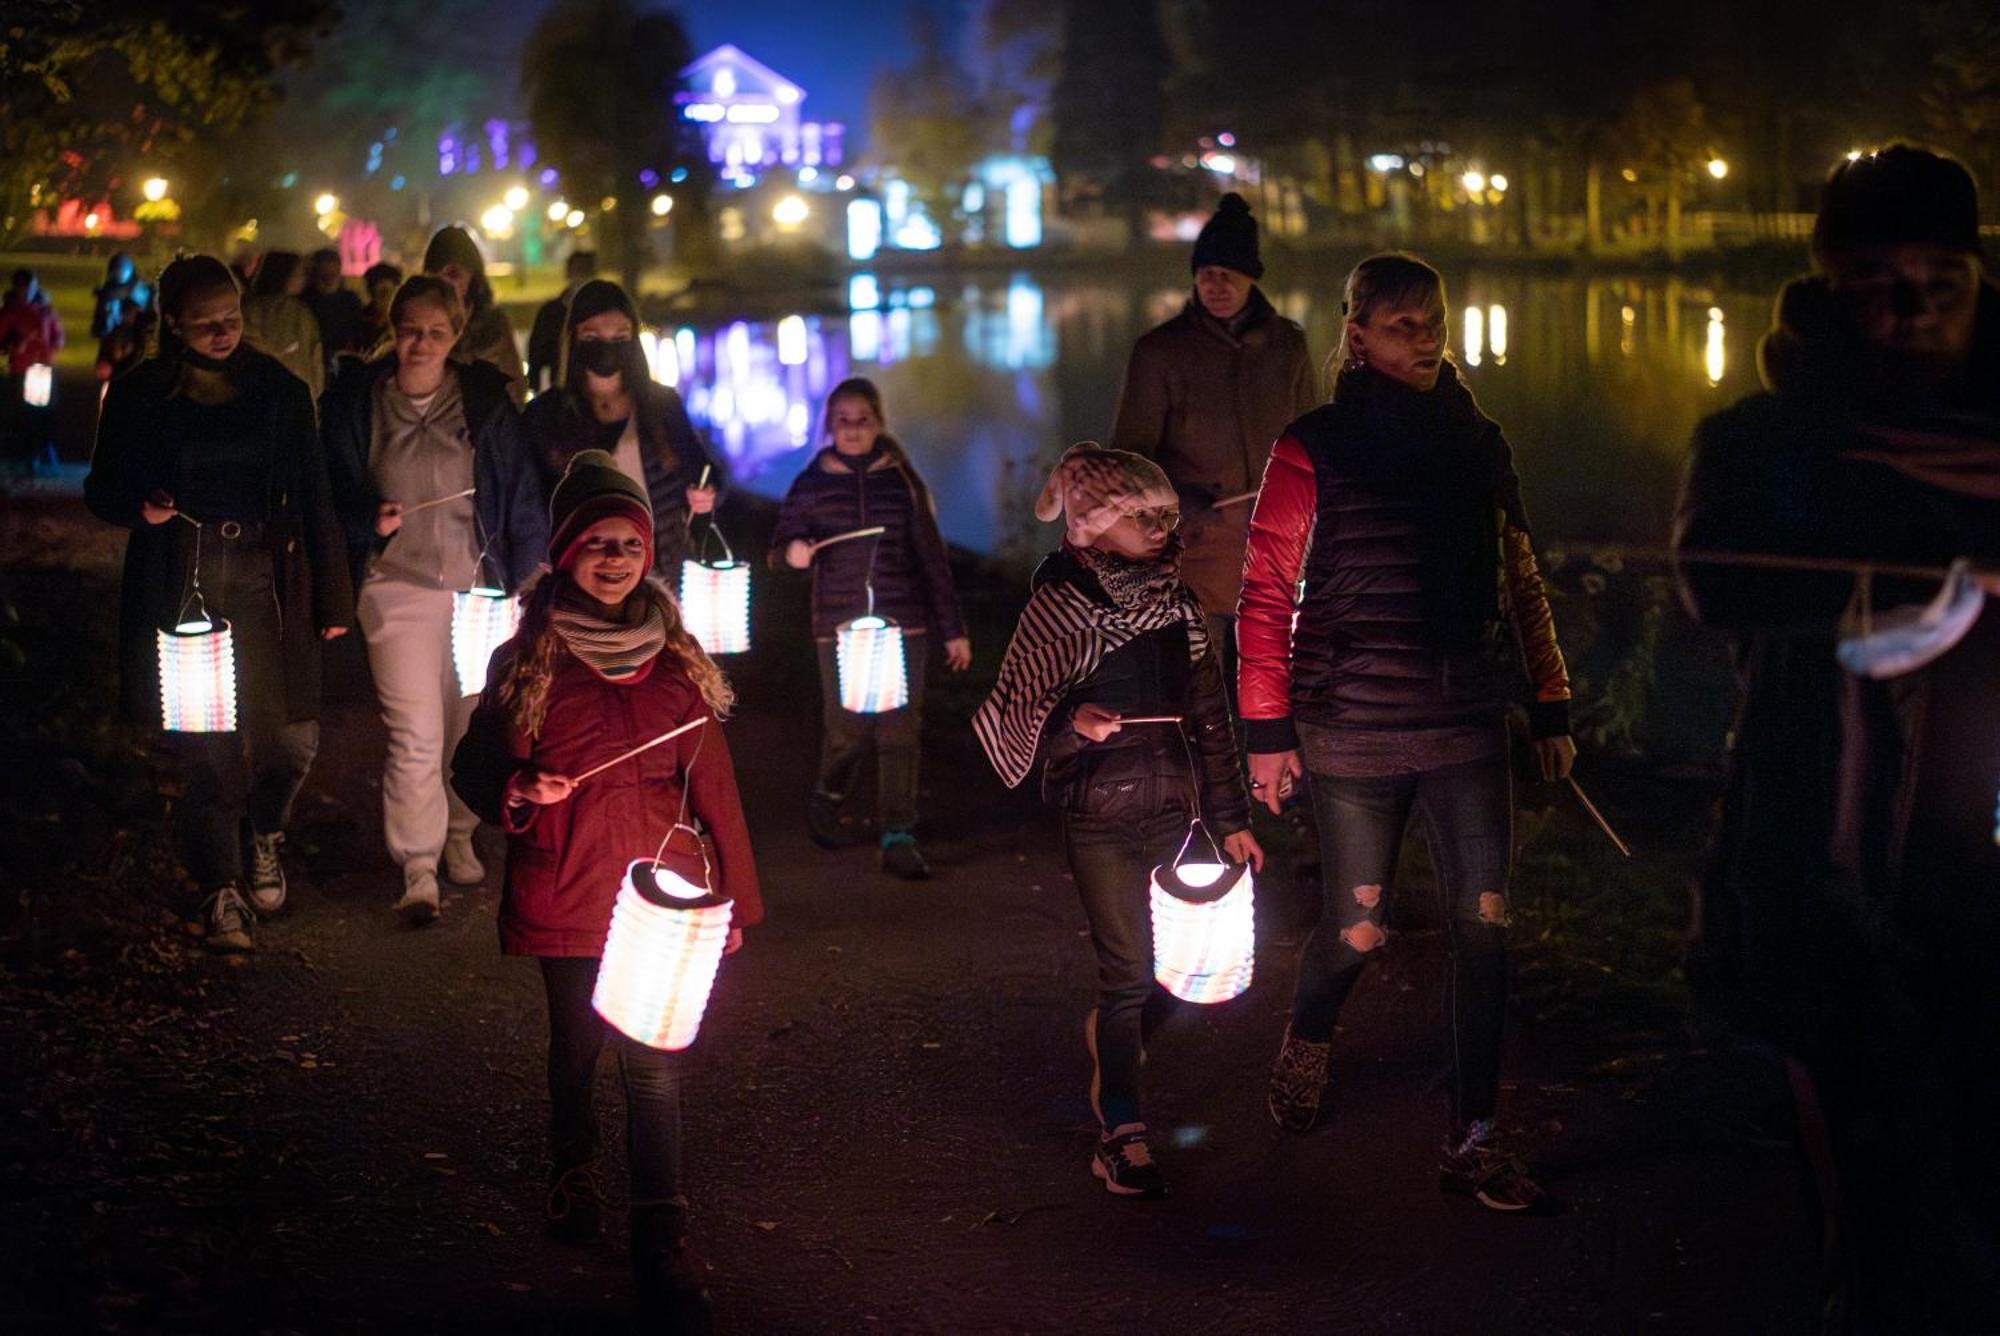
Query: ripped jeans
point(1467, 814)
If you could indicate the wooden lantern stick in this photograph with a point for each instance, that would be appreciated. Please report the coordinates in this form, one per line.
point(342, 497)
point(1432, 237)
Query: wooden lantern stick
point(844, 537)
point(644, 746)
point(1598, 817)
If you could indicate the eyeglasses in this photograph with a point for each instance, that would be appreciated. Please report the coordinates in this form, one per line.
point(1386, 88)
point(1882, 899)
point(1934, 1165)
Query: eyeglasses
point(1165, 518)
point(612, 547)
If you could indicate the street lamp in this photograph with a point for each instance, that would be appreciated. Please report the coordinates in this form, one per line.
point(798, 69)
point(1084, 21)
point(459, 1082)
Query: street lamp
point(662, 205)
point(1717, 168)
point(1474, 183)
point(326, 204)
point(790, 211)
point(516, 198)
point(498, 220)
point(155, 189)
point(558, 210)
point(1498, 182)
point(574, 218)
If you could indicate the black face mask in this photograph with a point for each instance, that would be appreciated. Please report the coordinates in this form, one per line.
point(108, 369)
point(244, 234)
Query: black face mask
point(604, 357)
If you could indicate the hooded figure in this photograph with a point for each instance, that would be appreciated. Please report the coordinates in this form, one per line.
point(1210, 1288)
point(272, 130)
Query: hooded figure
point(1206, 395)
point(1849, 903)
point(655, 444)
point(455, 257)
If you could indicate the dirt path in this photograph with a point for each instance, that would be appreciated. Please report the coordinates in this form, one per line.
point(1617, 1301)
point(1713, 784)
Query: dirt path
point(886, 1124)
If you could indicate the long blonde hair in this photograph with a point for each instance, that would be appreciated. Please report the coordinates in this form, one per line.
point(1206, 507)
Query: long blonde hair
point(1388, 281)
point(525, 688)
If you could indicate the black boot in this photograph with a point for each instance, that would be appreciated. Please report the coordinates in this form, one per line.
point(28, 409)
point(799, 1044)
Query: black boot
point(669, 1278)
point(575, 1207)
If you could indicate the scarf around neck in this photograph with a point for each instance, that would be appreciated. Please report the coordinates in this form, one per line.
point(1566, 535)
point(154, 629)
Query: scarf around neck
point(619, 649)
point(1064, 634)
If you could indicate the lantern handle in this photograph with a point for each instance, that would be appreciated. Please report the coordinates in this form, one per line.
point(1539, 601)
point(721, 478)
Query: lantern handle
point(485, 547)
point(193, 596)
point(681, 821)
point(708, 532)
point(1202, 826)
point(1194, 796)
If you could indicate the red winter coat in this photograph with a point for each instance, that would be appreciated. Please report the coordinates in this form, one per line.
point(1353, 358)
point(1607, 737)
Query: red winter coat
point(566, 861)
point(30, 334)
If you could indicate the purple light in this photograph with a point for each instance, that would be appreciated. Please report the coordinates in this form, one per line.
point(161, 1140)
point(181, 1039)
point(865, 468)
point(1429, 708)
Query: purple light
point(649, 178)
point(496, 139)
point(447, 154)
point(549, 176)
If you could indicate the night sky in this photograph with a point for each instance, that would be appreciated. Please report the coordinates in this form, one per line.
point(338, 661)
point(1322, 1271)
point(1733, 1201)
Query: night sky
point(833, 48)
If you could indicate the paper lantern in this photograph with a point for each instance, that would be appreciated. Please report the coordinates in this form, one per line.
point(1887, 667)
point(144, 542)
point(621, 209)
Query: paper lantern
point(198, 678)
point(873, 676)
point(659, 964)
point(482, 620)
point(715, 604)
point(38, 385)
point(1204, 930)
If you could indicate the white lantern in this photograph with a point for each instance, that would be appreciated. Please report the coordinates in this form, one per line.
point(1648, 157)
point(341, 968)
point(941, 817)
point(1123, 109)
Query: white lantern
point(1204, 930)
point(715, 604)
point(659, 964)
point(873, 676)
point(38, 385)
point(197, 677)
point(482, 620)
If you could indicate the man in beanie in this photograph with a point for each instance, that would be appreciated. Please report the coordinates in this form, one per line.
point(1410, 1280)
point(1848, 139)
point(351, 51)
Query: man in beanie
point(1113, 634)
point(1206, 394)
point(1853, 891)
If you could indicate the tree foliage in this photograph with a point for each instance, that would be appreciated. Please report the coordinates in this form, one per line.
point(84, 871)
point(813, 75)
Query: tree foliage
point(599, 77)
point(88, 89)
point(925, 122)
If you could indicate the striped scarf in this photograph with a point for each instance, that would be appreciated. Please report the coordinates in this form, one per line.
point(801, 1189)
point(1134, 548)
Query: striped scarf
point(614, 650)
point(1064, 634)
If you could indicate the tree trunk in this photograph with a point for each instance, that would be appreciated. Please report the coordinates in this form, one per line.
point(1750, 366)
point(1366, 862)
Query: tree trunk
point(1593, 207)
point(1672, 236)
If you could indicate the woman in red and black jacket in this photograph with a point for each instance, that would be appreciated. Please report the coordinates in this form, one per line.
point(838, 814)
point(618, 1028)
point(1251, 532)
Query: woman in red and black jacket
point(1388, 551)
point(863, 479)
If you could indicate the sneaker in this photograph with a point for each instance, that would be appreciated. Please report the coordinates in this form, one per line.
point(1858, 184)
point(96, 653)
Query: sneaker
point(1298, 1083)
point(1475, 1167)
point(901, 858)
point(823, 822)
point(575, 1208)
point(225, 920)
point(1124, 1160)
point(461, 862)
point(267, 873)
point(419, 904)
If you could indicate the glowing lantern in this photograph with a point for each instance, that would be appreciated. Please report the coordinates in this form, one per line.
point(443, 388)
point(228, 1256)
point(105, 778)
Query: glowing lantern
point(666, 941)
point(715, 604)
point(1204, 929)
point(482, 620)
point(197, 677)
point(37, 385)
point(869, 654)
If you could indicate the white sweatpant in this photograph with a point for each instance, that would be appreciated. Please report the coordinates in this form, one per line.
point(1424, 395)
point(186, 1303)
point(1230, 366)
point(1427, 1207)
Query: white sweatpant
point(409, 652)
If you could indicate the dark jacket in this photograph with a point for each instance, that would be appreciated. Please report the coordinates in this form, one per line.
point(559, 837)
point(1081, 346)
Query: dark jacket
point(907, 565)
point(1143, 771)
point(557, 426)
point(134, 456)
point(566, 861)
point(1857, 811)
point(545, 338)
point(1400, 513)
point(509, 506)
point(1207, 403)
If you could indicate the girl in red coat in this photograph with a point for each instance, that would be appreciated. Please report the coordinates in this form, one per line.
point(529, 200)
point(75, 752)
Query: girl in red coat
point(601, 664)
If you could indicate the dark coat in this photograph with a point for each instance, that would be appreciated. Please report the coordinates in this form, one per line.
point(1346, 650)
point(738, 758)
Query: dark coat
point(1143, 771)
point(908, 566)
point(1857, 825)
point(509, 507)
point(132, 459)
point(672, 454)
point(1207, 405)
point(565, 862)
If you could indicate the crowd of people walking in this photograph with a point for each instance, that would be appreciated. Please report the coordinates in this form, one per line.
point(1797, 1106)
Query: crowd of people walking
point(1275, 582)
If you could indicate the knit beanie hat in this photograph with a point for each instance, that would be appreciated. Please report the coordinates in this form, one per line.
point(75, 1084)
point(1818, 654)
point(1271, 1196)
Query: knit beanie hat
point(1229, 239)
point(593, 488)
point(1896, 195)
point(1094, 486)
point(453, 245)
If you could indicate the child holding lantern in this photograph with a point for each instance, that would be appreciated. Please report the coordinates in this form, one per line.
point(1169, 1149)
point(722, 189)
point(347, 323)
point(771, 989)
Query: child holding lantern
point(863, 521)
point(1113, 633)
point(601, 664)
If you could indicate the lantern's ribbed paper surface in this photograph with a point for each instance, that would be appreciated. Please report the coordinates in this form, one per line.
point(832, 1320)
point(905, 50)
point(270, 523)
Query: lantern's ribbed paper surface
point(660, 959)
point(198, 678)
point(1203, 950)
point(715, 604)
point(873, 677)
point(38, 385)
point(482, 620)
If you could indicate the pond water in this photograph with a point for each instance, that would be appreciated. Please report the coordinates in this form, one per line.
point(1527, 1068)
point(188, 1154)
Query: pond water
point(986, 378)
